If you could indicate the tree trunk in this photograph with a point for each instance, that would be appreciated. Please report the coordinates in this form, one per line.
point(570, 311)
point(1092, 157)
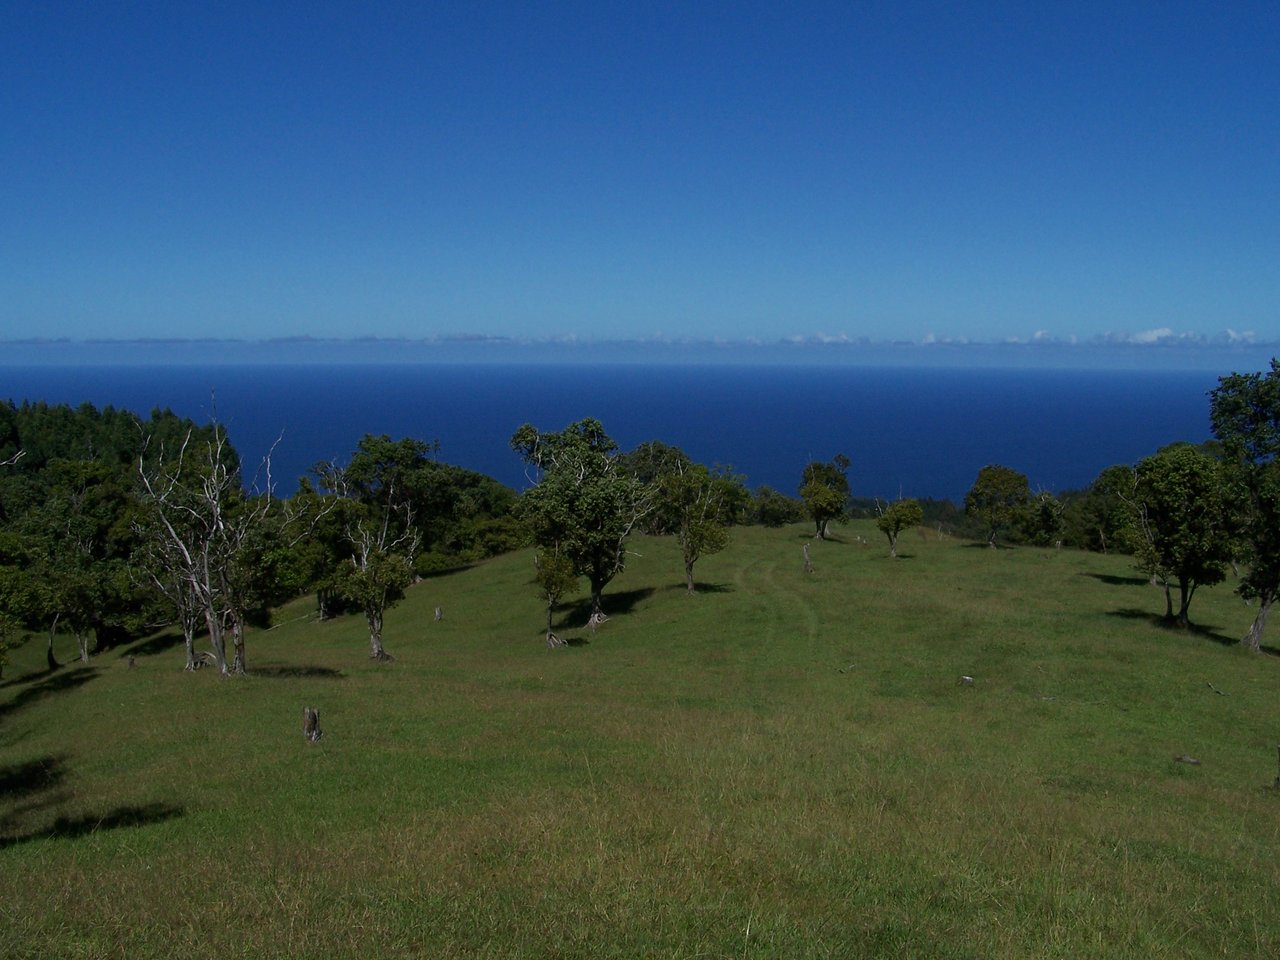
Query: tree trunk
point(893, 545)
point(1184, 603)
point(553, 641)
point(49, 657)
point(217, 640)
point(376, 650)
point(1253, 639)
point(688, 575)
point(597, 606)
point(189, 641)
point(82, 644)
point(236, 624)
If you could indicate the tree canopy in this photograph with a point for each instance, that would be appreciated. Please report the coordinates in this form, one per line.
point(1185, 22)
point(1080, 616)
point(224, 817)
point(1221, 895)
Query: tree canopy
point(824, 488)
point(896, 517)
point(1245, 413)
point(997, 498)
point(1182, 522)
point(584, 504)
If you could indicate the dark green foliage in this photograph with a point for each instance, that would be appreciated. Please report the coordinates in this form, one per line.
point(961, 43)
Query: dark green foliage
point(692, 503)
point(770, 508)
point(585, 504)
point(1245, 412)
point(998, 499)
point(71, 504)
point(458, 514)
point(824, 488)
point(1182, 520)
point(896, 517)
point(1042, 522)
point(1098, 518)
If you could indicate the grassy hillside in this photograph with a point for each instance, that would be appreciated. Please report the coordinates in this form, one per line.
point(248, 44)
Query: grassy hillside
point(779, 766)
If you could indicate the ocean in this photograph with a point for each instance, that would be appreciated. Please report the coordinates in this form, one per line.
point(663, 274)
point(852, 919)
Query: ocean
point(910, 431)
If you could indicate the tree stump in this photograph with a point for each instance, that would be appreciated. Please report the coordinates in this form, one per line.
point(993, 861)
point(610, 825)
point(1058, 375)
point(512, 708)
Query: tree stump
point(311, 724)
point(439, 614)
point(808, 564)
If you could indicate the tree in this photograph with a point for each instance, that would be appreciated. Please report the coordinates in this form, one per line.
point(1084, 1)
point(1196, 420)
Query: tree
point(896, 517)
point(1245, 413)
point(378, 524)
point(770, 508)
point(1098, 518)
point(583, 505)
point(998, 497)
point(694, 505)
point(824, 488)
point(202, 523)
point(1043, 519)
point(553, 573)
point(1181, 516)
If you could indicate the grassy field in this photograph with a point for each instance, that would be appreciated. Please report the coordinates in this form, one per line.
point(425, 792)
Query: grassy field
point(781, 765)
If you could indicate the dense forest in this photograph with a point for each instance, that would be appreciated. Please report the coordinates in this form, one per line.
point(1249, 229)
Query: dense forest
point(113, 525)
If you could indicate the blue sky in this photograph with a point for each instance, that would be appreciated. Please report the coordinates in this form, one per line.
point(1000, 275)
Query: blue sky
point(893, 171)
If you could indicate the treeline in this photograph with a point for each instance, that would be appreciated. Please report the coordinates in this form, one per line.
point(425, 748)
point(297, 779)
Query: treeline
point(112, 526)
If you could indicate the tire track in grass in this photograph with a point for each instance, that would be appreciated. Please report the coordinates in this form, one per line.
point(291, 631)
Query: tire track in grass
point(759, 579)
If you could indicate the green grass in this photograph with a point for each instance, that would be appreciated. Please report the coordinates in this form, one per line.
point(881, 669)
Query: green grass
point(780, 766)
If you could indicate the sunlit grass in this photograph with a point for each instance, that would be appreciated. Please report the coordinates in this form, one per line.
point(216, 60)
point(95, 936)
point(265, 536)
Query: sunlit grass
point(781, 765)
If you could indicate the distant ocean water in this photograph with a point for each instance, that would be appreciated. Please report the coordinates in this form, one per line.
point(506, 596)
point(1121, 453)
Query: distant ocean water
point(919, 432)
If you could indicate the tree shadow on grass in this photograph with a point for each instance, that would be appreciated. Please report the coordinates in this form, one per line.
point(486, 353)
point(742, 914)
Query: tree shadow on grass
point(26, 788)
point(615, 604)
point(153, 645)
point(829, 538)
point(53, 682)
point(1115, 581)
point(293, 673)
point(699, 587)
point(19, 779)
point(127, 816)
point(1172, 626)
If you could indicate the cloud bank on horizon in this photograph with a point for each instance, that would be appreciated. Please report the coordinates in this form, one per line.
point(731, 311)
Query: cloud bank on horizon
point(995, 173)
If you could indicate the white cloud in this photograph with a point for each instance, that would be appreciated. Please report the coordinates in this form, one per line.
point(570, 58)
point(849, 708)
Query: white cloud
point(1151, 336)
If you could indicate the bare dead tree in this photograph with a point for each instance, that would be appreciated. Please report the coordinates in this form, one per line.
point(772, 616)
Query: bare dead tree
point(202, 526)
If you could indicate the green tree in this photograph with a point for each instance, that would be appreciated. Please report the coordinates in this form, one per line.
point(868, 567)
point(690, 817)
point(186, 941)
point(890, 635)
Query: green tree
point(1042, 520)
point(695, 505)
point(553, 573)
point(377, 490)
point(1245, 413)
point(1098, 518)
point(896, 517)
point(997, 499)
point(824, 488)
point(771, 508)
point(584, 504)
point(1182, 523)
